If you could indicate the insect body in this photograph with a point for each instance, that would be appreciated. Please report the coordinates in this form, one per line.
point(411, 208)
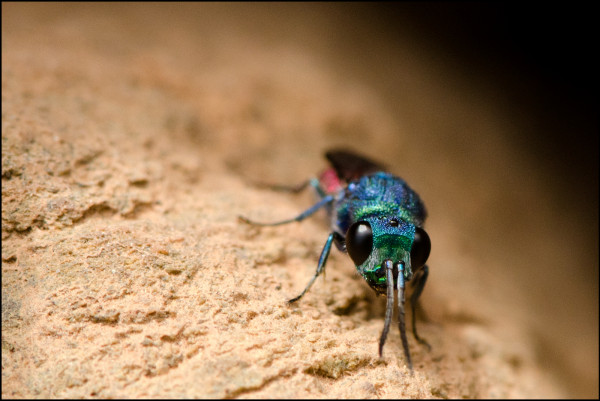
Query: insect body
point(377, 219)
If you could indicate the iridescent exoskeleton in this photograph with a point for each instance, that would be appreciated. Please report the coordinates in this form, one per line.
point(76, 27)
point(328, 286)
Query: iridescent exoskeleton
point(378, 220)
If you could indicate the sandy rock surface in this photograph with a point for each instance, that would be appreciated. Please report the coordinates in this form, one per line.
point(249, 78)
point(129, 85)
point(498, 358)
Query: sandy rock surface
point(130, 136)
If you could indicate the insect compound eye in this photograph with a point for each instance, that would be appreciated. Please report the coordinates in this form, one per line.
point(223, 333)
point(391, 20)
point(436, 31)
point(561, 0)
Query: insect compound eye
point(420, 248)
point(359, 242)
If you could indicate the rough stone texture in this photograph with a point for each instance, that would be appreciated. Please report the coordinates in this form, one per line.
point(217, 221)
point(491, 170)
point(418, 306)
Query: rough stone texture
point(129, 136)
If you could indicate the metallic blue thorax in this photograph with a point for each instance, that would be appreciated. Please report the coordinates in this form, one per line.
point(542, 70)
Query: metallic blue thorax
point(377, 194)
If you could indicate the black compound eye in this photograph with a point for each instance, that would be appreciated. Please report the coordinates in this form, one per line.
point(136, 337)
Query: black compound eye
point(420, 248)
point(359, 242)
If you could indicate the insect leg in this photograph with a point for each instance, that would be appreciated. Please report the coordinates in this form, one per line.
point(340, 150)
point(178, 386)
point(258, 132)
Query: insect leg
point(320, 266)
point(283, 188)
point(323, 202)
point(419, 284)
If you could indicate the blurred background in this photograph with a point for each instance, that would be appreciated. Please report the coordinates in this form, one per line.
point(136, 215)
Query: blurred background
point(493, 115)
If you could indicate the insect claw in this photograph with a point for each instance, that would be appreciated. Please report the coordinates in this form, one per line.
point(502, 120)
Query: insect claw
point(424, 343)
point(244, 219)
point(293, 300)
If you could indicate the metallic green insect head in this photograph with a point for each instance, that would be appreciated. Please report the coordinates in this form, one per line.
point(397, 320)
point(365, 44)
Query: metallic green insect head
point(375, 239)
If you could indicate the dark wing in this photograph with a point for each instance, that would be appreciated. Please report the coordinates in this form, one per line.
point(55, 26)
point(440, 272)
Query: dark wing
point(350, 166)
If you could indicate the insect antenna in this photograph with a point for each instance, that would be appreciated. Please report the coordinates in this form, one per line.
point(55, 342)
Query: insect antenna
point(401, 323)
point(389, 309)
point(390, 269)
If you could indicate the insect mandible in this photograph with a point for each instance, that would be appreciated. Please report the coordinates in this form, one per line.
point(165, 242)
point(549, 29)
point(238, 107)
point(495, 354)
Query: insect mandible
point(378, 220)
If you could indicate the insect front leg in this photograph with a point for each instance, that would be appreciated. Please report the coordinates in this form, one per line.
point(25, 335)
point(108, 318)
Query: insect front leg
point(419, 283)
point(322, 260)
point(310, 211)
